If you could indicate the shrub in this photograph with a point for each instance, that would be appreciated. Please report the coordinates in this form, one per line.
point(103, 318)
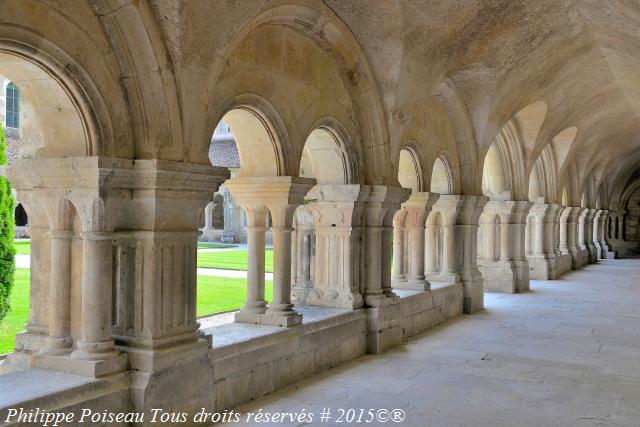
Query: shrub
point(7, 249)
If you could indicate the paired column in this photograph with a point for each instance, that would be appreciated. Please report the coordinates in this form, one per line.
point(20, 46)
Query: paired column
point(510, 273)
point(380, 206)
point(281, 196)
point(416, 210)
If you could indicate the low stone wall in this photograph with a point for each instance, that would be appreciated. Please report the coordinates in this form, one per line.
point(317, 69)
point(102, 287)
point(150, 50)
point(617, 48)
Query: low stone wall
point(252, 368)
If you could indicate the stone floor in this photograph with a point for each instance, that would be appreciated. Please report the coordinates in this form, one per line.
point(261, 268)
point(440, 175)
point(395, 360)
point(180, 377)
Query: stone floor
point(565, 354)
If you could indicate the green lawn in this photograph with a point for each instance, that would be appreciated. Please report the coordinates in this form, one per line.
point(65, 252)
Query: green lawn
point(23, 246)
point(217, 294)
point(234, 259)
point(19, 312)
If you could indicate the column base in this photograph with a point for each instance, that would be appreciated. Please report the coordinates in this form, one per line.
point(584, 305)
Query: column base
point(499, 276)
point(473, 293)
point(68, 363)
point(284, 319)
point(58, 345)
point(380, 300)
point(349, 300)
point(450, 278)
point(540, 268)
point(562, 264)
point(413, 285)
point(31, 341)
point(592, 253)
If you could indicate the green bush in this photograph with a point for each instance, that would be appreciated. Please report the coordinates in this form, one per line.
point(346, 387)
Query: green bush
point(7, 250)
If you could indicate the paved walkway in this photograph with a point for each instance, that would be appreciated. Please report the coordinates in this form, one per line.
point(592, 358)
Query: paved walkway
point(565, 354)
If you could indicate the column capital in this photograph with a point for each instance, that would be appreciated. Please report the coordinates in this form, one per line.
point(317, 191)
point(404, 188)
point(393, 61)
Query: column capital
point(280, 194)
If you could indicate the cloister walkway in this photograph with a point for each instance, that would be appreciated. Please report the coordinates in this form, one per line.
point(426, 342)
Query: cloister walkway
point(565, 354)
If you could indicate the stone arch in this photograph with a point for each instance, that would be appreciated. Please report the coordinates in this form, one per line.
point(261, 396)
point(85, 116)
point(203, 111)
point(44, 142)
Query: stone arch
point(503, 169)
point(259, 134)
point(460, 118)
point(442, 177)
point(410, 172)
point(66, 102)
point(147, 77)
point(326, 29)
point(328, 155)
point(542, 179)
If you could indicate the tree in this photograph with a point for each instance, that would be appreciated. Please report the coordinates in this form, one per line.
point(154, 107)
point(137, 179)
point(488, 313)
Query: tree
point(7, 248)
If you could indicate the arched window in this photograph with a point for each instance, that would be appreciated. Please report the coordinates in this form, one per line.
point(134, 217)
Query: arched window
point(12, 116)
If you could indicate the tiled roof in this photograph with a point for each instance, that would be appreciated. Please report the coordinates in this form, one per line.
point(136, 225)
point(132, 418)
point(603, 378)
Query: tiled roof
point(223, 152)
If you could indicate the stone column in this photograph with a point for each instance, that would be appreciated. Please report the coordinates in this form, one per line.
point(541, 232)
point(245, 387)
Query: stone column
point(60, 292)
point(417, 209)
point(35, 336)
point(380, 206)
point(399, 273)
point(542, 257)
point(588, 227)
point(511, 272)
point(448, 249)
point(564, 233)
point(228, 234)
point(575, 247)
point(208, 230)
point(431, 249)
point(255, 304)
point(96, 342)
point(337, 213)
point(281, 195)
point(596, 230)
point(469, 209)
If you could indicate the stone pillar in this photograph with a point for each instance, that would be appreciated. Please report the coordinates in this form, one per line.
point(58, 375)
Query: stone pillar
point(564, 231)
point(281, 195)
point(381, 204)
point(448, 249)
point(96, 342)
point(255, 304)
point(607, 249)
point(589, 241)
point(228, 234)
point(511, 272)
point(60, 292)
point(576, 249)
point(303, 248)
point(337, 214)
point(596, 230)
point(35, 336)
point(417, 209)
point(469, 209)
point(542, 260)
point(399, 273)
point(208, 229)
point(431, 249)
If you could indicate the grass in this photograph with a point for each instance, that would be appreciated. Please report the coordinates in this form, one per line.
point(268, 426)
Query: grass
point(18, 314)
point(213, 245)
point(234, 259)
point(216, 294)
point(23, 246)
